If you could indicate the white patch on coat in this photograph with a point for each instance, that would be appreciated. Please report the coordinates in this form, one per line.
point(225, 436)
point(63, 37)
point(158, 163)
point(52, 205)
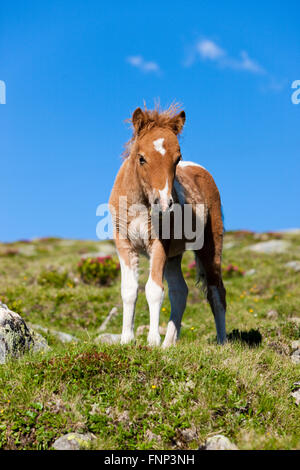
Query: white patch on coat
point(219, 314)
point(184, 163)
point(129, 289)
point(158, 145)
point(154, 295)
point(164, 197)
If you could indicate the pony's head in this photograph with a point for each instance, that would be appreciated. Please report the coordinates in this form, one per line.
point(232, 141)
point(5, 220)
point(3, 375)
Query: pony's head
point(156, 152)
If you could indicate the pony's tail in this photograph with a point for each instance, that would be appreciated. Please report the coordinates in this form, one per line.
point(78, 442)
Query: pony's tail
point(200, 274)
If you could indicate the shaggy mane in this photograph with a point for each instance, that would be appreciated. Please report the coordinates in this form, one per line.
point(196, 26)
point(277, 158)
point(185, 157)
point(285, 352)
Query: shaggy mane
point(154, 118)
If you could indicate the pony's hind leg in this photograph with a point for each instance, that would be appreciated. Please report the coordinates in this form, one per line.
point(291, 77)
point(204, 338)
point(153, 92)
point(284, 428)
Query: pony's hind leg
point(215, 290)
point(178, 292)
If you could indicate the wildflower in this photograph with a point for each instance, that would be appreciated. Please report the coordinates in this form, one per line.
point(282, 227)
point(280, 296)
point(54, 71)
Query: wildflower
point(163, 309)
point(153, 387)
point(251, 310)
point(192, 328)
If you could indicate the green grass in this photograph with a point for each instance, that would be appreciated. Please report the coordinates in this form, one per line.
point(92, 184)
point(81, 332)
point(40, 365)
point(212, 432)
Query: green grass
point(121, 393)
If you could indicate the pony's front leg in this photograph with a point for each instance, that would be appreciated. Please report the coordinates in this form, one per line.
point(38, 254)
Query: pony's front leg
point(155, 290)
point(129, 288)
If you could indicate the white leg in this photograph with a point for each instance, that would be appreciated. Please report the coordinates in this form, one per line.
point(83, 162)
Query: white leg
point(154, 295)
point(219, 313)
point(178, 292)
point(129, 289)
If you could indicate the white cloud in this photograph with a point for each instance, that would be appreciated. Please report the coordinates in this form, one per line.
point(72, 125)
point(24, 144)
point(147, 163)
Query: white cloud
point(140, 63)
point(210, 50)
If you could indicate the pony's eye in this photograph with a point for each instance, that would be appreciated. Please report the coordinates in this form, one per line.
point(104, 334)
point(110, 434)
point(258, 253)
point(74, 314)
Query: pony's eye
point(142, 160)
point(178, 160)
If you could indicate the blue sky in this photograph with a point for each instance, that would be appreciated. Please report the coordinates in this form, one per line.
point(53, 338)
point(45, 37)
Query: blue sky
point(75, 70)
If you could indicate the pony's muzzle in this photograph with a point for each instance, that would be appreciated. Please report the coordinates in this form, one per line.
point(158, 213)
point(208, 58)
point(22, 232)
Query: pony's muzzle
point(162, 205)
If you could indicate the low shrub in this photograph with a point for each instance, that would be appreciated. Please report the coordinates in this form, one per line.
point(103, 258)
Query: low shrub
point(231, 270)
point(98, 271)
point(53, 278)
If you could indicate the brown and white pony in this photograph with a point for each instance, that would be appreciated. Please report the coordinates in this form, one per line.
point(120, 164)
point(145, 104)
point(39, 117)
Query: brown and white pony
point(153, 172)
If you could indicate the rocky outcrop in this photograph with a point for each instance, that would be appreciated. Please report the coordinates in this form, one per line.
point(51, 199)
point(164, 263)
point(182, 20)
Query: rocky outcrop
point(16, 338)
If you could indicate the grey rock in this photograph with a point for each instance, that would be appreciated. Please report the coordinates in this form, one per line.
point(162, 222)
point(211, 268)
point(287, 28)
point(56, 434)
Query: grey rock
point(108, 338)
point(27, 250)
point(189, 434)
point(229, 245)
point(15, 336)
point(251, 272)
point(145, 328)
point(295, 345)
point(151, 436)
point(63, 337)
point(219, 442)
point(73, 441)
point(296, 396)
point(295, 357)
point(272, 315)
point(294, 265)
point(270, 247)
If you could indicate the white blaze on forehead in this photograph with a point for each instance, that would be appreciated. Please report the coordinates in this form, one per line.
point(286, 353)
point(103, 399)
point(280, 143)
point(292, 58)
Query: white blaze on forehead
point(158, 145)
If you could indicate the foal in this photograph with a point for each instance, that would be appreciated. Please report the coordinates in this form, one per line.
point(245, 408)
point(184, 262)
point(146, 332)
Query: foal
point(154, 176)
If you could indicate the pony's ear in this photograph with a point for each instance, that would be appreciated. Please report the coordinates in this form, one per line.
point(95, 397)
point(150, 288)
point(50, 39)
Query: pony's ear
point(177, 122)
point(138, 120)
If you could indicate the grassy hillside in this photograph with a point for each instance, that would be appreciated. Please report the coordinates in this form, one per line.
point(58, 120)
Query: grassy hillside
point(135, 397)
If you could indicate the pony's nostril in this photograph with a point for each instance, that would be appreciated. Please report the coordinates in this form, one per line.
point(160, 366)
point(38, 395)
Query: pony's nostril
point(156, 200)
point(170, 203)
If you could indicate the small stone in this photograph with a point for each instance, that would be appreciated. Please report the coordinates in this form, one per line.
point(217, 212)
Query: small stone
point(189, 434)
point(295, 345)
point(251, 272)
point(229, 245)
point(145, 328)
point(151, 436)
point(63, 337)
point(296, 396)
point(108, 338)
point(295, 357)
point(218, 442)
point(294, 320)
point(294, 265)
point(272, 315)
point(73, 441)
